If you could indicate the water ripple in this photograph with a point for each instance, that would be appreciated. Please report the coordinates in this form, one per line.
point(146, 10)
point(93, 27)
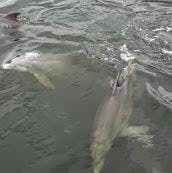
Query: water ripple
point(161, 95)
point(4, 3)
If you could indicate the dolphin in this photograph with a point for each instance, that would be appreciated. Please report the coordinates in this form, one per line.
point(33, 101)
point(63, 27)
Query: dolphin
point(112, 117)
point(43, 66)
point(10, 20)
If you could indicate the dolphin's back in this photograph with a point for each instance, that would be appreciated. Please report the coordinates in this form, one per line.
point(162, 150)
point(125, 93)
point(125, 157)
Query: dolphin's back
point(106, 116)
point(111, 118)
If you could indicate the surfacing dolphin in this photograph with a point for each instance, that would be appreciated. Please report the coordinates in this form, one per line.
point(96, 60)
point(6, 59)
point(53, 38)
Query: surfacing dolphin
point(10, 20)
point(112, 118)
point(43, 66)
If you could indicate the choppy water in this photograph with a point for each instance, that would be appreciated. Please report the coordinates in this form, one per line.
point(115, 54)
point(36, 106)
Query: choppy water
point(49, 131)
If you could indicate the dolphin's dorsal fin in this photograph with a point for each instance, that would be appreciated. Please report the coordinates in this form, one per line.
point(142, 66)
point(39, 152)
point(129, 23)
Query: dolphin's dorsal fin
point(12, 16)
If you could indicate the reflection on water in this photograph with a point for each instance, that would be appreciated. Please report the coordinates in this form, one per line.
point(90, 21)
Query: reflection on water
point(46, 130)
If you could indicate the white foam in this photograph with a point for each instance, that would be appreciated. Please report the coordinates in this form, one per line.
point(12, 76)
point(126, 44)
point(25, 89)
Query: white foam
point(149, 39)
point(146, 140)
point(126, 55)
point(159, 29)
point(165, 51)
point(168, 29)
point(32, 54)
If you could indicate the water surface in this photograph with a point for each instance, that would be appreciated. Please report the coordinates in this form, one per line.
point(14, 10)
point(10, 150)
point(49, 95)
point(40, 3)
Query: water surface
point(49, 131)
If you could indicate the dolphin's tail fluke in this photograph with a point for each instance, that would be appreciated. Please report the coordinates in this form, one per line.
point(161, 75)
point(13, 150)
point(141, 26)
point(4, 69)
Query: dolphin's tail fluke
point(98, 151)
point(98, 167)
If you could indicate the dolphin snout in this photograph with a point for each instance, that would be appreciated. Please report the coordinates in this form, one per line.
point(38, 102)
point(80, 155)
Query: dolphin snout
point(5, 66)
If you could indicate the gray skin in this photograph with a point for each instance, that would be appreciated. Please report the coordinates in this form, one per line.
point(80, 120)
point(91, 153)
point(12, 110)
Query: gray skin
point(10, 20)
point(44, 66)
point(112, 118)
